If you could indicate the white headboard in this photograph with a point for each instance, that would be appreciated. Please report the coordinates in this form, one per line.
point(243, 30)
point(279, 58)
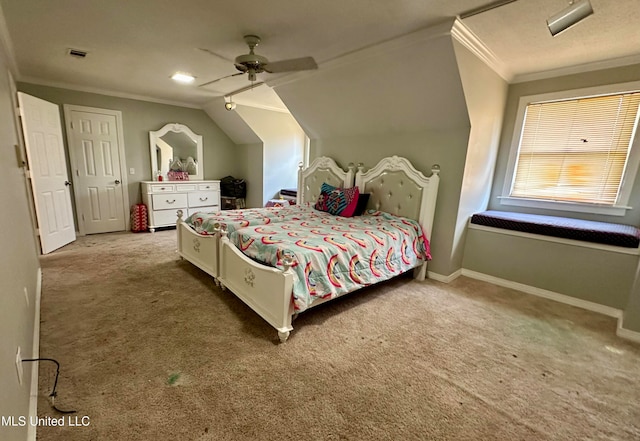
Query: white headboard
point(396, 187)
point(322, 169)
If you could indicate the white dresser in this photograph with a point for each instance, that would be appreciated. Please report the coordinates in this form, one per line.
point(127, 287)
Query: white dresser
point(164, 199)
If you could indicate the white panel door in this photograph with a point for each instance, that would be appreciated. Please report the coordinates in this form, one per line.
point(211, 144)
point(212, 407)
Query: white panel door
point(48, 171)
point(95, 155)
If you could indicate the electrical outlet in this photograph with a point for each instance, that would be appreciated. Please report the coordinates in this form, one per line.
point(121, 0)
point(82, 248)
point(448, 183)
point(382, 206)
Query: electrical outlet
point(19, 366)
point(26, 295)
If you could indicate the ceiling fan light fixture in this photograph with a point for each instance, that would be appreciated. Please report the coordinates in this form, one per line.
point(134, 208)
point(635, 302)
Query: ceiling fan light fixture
point(563, 20)
point(229, 105)
point(182, 77)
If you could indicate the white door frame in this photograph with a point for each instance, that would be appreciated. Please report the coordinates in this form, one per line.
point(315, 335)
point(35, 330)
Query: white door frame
point(68, 108)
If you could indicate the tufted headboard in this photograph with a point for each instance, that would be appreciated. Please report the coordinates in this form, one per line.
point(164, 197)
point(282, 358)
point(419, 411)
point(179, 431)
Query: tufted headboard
point(396, 187)
point(322, 169)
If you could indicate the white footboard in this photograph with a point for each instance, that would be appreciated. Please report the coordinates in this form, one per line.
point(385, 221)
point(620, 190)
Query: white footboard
point(200, 250)
point(264, 289)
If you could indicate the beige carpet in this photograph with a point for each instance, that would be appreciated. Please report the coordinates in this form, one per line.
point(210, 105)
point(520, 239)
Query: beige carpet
point(151, 350)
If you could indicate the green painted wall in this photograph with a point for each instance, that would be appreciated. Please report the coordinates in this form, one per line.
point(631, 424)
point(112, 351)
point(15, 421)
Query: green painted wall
point(140, 117)
point(18, 266)
point(363, 115)
point(424, 149)
point(597, 276)
point(485, 93)
point(251, 171)
point(569, 82)
point(589, 274)
point(631, 315)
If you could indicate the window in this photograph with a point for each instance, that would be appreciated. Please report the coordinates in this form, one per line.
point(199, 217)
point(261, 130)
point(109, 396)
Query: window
point(575, 153)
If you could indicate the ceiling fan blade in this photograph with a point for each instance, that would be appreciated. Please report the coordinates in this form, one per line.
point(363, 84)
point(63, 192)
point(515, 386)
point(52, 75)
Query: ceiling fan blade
point(222, 78)
point(210, 52)
point(294, 64)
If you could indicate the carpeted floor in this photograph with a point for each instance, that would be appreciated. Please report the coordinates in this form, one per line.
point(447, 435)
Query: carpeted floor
point(151, 349)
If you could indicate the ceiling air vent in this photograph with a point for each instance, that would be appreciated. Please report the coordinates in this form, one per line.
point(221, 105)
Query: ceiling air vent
point(77, 53)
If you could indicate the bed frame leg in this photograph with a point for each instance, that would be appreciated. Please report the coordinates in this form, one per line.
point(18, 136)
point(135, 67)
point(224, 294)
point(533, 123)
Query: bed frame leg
point(283, 335)
point(420, 272)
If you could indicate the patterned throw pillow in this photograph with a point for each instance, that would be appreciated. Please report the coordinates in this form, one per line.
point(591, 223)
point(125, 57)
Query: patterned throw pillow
point(337, 201)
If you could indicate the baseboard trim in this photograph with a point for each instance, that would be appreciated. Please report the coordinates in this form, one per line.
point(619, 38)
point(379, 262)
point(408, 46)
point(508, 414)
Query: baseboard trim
point(627, 334)
point(33, 393)
point(444, 279)
point(621, 331)
point(562, 298)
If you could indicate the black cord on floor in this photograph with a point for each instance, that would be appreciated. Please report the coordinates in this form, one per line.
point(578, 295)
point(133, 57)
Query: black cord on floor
point(53, 394)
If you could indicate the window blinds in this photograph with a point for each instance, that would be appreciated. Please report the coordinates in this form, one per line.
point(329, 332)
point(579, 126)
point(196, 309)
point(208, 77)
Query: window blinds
point(576, 150)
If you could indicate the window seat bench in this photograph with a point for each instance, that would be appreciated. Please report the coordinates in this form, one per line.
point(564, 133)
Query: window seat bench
point(562, 227)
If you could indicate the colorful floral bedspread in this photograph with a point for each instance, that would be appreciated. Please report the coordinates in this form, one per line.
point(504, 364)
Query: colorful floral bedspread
point(205, 223)
point(335, 255)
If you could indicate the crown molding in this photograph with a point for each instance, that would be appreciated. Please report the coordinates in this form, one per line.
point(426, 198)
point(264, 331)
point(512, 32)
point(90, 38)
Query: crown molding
point(468, 39)
point(107, 92)
point(578, 69)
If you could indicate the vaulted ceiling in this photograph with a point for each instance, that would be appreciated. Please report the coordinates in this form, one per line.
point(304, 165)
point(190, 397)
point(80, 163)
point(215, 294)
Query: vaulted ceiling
point(135, 46)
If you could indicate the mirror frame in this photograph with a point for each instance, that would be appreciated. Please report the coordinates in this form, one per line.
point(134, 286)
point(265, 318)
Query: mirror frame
point(177, 128)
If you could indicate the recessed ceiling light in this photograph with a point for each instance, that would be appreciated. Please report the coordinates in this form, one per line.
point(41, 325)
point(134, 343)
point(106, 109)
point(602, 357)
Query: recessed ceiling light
point(183, 77)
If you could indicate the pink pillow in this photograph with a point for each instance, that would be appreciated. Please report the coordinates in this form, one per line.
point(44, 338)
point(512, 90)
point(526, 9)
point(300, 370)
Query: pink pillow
point(338, 201)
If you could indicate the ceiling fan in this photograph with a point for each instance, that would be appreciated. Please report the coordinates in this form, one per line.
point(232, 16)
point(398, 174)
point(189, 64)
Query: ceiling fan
point(253, 63)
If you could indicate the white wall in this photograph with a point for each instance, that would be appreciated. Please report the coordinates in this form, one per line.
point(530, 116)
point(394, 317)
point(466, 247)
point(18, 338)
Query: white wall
point(283, 141)
point(485, 94)
point(140, 117)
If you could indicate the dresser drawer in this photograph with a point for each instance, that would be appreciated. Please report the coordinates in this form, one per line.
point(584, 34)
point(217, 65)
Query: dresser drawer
point(203, 198)
point(165, 201)
point(186, 187)
point(162, 188)
point(209, 186)
point(162, 218)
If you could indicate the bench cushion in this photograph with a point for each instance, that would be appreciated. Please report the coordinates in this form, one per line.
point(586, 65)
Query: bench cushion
point(568, 228)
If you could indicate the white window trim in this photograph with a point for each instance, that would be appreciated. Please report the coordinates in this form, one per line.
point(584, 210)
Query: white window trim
point(628, 178)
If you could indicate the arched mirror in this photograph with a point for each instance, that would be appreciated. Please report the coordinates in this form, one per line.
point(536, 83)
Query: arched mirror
point(175, 145)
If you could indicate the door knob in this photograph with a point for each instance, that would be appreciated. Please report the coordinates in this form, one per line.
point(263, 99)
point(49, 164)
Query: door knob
point(117, 181)
point(67, 183)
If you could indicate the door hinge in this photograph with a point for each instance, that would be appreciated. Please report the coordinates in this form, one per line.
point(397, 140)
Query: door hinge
point(82, 217)
point(71, 125)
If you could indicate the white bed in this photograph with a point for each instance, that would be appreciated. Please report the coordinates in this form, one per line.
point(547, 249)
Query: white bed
point(204, 250)
point(395, 187)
